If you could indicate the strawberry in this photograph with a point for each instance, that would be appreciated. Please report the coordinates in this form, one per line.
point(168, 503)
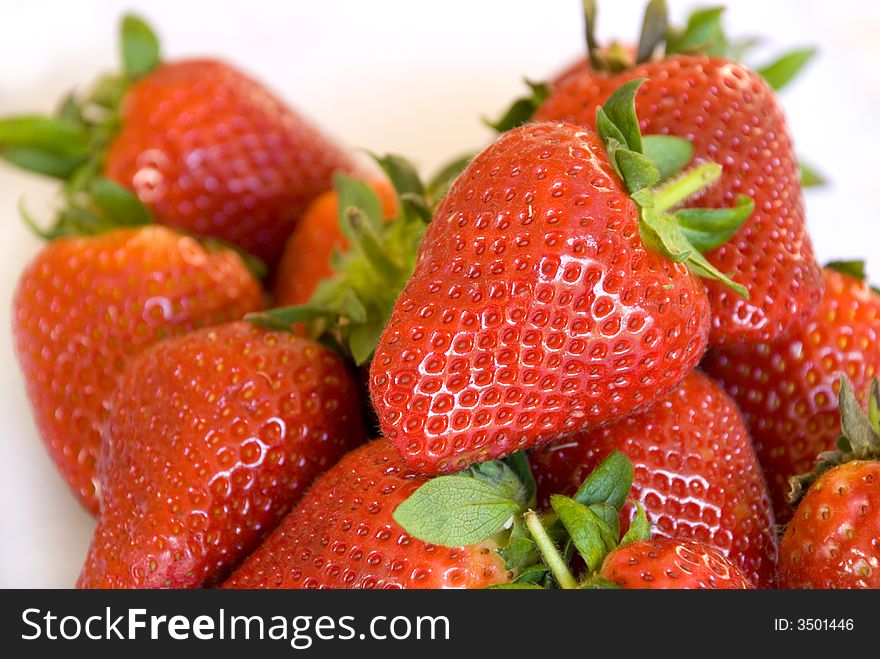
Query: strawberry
point(307, 255)
point(832, 538)
point(787, 390)
point(204, 147)
point(696, 473)
point(342, 535)
point(666, 564)
point(85, 304)
point(551, 294)
point(211, 437)
point(732, 117)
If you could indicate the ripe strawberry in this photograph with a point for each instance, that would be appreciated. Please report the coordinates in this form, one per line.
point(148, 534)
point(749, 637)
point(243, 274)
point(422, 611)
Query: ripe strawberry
point(833, 539)
point(732, 117)
point(210, 439)
point(342, 535)
point(204, 147)
point(86, 304)
point(661, 563)
point(306, 259)
point(536, 309)
point(787, 390)
point(696, 473)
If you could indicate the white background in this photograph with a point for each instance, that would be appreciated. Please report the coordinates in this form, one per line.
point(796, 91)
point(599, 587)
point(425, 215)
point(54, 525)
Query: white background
point(409, 77)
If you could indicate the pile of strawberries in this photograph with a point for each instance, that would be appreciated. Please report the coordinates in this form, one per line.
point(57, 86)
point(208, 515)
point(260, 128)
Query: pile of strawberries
point(598, 354)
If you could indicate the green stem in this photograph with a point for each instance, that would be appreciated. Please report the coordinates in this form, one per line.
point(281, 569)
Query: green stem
point(551, 555)
point(590, 34)
point(688, 184)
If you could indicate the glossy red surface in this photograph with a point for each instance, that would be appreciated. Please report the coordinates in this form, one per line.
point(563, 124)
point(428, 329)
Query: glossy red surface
point(696, 473)
point(534, 311)
point(833, 540)
point(212, 151)
point(342, 535)
point(663, 564)
point(210, 439)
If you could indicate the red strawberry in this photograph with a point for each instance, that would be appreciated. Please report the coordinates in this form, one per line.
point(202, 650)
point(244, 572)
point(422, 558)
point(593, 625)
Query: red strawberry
point(833, 539)
point(661, 563)
point(204, 147)
point(732, 117)
point(84, 305)
point(342, 535)
point(211, 437)
point(535, 309)
point(696, 473)
point(787, 390)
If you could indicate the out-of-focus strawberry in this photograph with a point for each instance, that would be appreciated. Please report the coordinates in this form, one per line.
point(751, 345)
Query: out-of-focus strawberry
point(204, 147)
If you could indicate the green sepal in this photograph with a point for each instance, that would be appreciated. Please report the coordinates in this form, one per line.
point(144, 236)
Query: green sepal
point(518, 463)
point(117, 205)
point(609, 515)
point(863, 437)
point(703, 35)
point(654, 27)
point(401, 173)
point(140, 47)
point(520, 551)
point(533, 574)
point(639, 528)
point(596, 582)
point(589, 534)
point(620, 111)
point(852, 268)
point(465, 508)
point(609, 483)
point(637, 171)
point(71, 145)
point(368, 274)
point(44, 145)
point(522, 109)
point(39, 162)
point(452, 511)
point(874, 405)
point(440, 183)
point(670, 154)
point(708, 228)
point(282, 318)
point(783, 70)
point(810, 176)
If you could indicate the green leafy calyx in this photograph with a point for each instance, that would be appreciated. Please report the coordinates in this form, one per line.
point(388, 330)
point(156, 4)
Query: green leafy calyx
point(650, 168)
point(859, 438)
point(496, 500)
point(350, 309)
point(71, 144)
point(522, 109)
